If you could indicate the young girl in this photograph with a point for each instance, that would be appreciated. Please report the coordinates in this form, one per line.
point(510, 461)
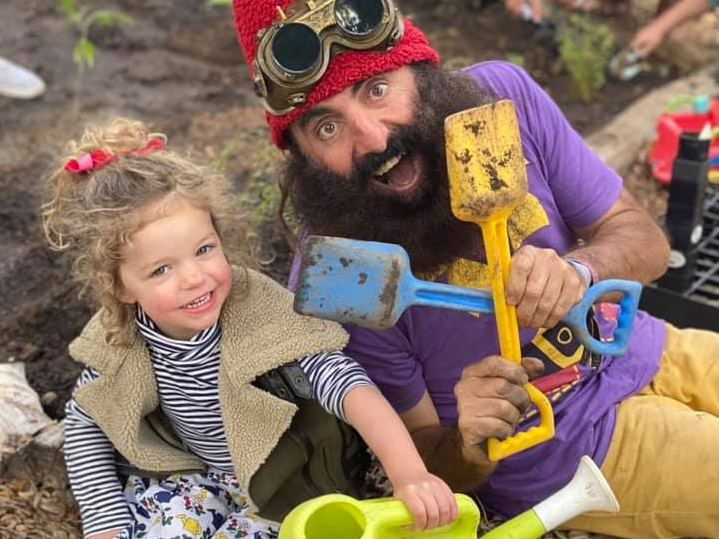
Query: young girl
point(179, 337)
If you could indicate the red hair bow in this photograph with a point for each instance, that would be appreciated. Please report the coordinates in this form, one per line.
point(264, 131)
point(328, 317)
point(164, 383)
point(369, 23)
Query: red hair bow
point(97, 159)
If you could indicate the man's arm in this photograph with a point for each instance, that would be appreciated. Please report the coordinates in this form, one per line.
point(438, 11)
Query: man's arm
point(652, 34)
point(625, 243)
point(490, 402)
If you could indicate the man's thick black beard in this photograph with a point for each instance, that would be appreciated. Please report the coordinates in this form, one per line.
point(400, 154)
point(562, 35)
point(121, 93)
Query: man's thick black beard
point(332, 204)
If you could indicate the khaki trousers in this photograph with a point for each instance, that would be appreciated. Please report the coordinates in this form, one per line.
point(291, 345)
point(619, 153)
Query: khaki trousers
point(663, 462)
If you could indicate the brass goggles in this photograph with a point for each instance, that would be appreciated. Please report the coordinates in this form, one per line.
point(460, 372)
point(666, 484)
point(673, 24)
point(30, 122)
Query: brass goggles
point(294, 52)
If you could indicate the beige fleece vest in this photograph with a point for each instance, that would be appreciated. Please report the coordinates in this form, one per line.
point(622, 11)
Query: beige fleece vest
point(260, 331)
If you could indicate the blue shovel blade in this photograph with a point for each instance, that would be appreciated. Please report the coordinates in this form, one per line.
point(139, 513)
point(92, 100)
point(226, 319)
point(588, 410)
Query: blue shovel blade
point(352, 281)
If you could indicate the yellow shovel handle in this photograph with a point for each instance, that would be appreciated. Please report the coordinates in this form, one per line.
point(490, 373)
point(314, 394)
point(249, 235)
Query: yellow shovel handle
point(519, 441)
point(496, 244)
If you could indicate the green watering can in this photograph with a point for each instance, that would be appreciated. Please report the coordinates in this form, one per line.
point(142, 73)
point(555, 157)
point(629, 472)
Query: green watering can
point(336, 516)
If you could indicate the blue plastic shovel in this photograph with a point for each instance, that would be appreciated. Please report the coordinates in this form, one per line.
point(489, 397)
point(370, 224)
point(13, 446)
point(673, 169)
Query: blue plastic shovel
point(370, 284)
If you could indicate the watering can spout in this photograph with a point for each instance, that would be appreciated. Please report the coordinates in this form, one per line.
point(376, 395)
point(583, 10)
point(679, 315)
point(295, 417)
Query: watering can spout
point(588, 490)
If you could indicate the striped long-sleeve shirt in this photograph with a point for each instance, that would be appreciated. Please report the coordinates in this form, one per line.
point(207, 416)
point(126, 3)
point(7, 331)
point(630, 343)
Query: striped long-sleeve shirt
point(186, 373)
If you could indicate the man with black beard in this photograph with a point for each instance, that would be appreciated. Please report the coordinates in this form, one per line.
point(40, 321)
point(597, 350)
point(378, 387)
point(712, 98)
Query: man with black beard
point(353, 91)
point(354, 205)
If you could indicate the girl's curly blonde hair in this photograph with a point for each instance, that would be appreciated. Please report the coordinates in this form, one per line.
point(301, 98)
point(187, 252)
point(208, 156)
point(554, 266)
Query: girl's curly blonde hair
point(94, 213)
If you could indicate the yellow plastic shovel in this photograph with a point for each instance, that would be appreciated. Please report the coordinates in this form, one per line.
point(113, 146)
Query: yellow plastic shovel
point(487, 180)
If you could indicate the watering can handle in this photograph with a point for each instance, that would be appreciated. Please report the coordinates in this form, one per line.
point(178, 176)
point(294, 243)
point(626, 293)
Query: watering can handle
point(576, 318)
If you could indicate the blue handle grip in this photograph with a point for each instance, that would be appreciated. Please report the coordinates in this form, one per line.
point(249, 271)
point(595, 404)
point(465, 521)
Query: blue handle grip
point(576, 318)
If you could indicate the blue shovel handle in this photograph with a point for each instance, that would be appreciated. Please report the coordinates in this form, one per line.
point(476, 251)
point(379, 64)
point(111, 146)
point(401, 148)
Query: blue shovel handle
point(480, 300)
point(576, 318)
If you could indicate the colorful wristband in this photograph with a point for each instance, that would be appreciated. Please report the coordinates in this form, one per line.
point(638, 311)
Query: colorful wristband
point(584, 269)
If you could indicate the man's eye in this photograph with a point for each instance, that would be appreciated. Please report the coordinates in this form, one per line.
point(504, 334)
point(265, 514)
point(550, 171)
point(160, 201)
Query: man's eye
point(327, 129)
point(378, 89)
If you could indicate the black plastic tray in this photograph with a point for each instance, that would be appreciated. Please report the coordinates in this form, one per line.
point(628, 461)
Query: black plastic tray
point(698, 306)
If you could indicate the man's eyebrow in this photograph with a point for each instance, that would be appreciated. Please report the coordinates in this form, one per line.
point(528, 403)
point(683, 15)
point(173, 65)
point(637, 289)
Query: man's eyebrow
point(311, 114)
point(318, 110)
point(357, 86)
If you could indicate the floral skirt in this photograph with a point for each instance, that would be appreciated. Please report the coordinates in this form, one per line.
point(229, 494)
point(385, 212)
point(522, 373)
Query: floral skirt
point(192, 506)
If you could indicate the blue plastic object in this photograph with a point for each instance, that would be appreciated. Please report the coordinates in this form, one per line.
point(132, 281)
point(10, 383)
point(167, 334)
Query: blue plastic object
point(370, 284)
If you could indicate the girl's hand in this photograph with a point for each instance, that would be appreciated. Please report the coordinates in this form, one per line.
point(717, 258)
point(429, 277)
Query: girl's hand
point(428, 498)
point(111, 534)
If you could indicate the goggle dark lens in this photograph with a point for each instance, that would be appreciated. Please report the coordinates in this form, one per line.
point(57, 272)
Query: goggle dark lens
point(358, 18)
point(296, 48)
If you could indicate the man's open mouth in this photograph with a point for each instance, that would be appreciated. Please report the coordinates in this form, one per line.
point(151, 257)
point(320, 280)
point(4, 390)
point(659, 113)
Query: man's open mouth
point(398, 174)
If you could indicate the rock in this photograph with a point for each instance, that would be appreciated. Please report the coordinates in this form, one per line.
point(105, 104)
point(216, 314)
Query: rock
point(21, 414)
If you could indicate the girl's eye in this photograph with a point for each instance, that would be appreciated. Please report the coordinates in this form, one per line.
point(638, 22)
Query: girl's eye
point(160, 271)
point(205, 249)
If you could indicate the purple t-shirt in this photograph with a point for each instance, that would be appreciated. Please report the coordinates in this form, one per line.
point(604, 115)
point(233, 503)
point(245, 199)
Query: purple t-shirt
point(429, 347)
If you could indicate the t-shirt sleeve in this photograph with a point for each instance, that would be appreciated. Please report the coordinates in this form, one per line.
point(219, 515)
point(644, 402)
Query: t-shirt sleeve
point(584, 188)
point(332, 376)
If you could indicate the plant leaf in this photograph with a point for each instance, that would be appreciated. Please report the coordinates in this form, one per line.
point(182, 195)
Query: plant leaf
point(69, 7)
point(84, 53)
point(108, 17)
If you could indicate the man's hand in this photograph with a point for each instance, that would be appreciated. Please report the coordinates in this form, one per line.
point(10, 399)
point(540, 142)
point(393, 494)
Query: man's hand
point(491, 400)
point(543, 286)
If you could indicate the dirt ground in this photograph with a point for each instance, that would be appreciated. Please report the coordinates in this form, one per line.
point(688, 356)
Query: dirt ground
point(179, 68)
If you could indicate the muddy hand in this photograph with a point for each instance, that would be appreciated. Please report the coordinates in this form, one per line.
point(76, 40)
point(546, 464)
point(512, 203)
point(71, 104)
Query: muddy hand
point(491, 400)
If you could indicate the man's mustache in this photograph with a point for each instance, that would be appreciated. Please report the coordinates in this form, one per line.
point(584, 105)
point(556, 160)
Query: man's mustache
point(400, 141)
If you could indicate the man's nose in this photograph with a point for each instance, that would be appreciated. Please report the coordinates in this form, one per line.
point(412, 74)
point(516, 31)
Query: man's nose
point(369, 132)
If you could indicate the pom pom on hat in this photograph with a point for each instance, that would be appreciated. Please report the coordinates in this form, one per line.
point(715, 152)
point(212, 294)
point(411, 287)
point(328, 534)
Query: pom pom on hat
point(344, 70)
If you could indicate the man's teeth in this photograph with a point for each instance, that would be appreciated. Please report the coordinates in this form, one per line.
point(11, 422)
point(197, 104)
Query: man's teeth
point(199, 301)
point(388, 165)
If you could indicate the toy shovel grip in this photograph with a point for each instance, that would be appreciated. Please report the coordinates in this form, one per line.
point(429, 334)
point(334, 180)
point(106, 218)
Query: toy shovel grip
point(576, 318)
point(519, 441)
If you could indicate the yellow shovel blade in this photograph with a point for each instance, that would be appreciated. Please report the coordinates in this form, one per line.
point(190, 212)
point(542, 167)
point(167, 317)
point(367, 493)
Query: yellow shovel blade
point(487, 180)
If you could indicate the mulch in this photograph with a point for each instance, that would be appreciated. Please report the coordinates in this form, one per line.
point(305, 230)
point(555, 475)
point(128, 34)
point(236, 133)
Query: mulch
point(37, 512)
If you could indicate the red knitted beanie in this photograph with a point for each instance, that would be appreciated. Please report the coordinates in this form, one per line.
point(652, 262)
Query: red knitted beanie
point(344, 70)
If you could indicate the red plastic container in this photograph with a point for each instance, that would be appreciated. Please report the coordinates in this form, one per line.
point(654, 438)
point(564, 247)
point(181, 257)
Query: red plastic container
point(664, 148)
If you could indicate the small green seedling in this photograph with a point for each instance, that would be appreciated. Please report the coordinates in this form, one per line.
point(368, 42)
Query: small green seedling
point(82, 19)
point(585, 50)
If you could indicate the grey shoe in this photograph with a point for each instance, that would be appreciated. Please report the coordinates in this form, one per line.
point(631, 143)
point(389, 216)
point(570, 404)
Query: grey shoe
point(18, 82)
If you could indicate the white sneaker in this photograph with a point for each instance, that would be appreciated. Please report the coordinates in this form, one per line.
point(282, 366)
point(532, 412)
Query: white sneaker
point(18, 82)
